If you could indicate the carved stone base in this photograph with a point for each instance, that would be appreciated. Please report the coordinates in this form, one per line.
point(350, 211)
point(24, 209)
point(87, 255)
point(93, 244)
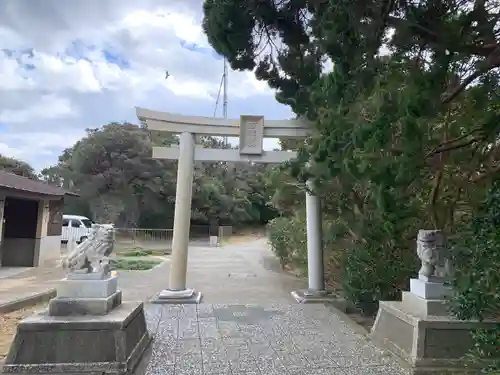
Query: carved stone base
point(61, 306)
point(86, 294)
point(431, 345)
point(177, 297)
point(109, 344)
point(87, 288)
point(429, 289)
point(424, 307)
point(308, 296)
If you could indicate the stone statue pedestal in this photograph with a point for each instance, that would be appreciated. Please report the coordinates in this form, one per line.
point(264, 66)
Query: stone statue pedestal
point(425, 335)
point(420, 330)
point(86, 295)
point(86, 330)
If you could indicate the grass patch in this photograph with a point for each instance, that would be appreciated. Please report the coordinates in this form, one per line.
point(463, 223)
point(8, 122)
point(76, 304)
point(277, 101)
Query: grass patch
point(132, 264)
point(140, 252)
point(135, 253)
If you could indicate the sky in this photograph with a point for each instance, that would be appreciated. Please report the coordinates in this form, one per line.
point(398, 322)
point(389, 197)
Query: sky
point(70, 65)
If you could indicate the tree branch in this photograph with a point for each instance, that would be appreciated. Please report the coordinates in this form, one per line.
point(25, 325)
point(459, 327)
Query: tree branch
point(434, 196)
point(454, 140)
point(491, 63)
point(453, 147)
point(487, 174)
point(475, 48)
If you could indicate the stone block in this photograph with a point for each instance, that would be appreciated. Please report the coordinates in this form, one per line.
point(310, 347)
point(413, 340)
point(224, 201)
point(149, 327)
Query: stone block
point(71, 288)
point(177, 297)
point(431, 345)
point(429, 290)
point(308, 297)
point(214, 241)
point(83, 275)
point(425, 307)
point(61, 306)
point(109, 344)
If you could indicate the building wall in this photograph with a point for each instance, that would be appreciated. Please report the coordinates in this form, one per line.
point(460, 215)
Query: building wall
point(48, 237)
point(44, 248)
point(2, 201)
point(19, 232)
point(18, 252)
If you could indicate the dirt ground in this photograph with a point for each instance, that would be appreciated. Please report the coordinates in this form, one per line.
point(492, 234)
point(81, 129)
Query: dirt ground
point(242, 236)
point(8, 326)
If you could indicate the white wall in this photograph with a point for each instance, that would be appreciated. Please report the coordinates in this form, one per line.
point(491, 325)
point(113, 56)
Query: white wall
point(49, 247)
point(2, 205)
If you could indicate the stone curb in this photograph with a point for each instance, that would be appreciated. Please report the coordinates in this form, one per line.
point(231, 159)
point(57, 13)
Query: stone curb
point(27, 301)
point(344, 316)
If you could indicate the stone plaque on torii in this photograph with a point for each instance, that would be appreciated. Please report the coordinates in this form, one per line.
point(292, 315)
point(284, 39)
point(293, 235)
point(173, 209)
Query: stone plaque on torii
point(251, 131)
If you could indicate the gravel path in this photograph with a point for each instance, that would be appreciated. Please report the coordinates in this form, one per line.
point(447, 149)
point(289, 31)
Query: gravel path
point(248, 324)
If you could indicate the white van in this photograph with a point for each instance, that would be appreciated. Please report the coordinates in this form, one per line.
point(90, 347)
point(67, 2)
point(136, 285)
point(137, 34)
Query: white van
point(75, 228)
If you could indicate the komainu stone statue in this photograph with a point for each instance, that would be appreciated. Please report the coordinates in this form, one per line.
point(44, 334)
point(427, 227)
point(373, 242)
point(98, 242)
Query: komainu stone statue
point(432, 253)
point(91, 256)
point(87, 329)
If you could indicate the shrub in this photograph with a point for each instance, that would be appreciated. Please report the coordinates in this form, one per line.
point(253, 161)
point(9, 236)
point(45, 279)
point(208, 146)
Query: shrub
point(476, 277)
point(288, 240)
point(278, 238)
point(378, 269)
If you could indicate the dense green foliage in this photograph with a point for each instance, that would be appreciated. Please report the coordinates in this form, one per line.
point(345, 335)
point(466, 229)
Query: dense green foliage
point(118, 181)
point(404, 99)
point(17, 167)
point(287, 237)
point(476, 261)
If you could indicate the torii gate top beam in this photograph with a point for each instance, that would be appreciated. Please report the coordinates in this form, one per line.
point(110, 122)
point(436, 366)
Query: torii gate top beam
point(173, 123)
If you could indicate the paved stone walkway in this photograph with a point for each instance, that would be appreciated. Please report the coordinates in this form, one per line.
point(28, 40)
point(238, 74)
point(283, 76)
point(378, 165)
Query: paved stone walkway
point(29, 283)
point(249, 325)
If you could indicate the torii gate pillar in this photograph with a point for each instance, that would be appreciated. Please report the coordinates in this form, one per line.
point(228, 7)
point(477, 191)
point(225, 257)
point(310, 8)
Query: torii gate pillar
point(177, 291)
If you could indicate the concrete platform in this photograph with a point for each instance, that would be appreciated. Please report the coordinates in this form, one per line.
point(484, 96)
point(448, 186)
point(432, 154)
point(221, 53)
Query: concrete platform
point(303, 296)
point(108, 344)
point(22, 289)
point(187, 297)
point(6, 272)
point(432, 345)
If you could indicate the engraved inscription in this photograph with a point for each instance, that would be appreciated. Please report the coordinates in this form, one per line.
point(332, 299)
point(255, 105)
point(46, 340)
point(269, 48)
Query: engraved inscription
point(251, 135)
point(251, 139)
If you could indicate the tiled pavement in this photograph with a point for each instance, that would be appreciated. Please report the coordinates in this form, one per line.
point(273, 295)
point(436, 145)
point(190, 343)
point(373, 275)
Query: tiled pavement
point(285, 339)
point(250, 325)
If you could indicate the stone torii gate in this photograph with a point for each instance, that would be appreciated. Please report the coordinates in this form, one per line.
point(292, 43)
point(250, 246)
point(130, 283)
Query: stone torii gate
point(251, 130)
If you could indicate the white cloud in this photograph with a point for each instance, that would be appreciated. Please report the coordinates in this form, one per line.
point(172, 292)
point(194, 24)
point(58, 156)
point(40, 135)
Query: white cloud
point(40, 147)
point(66, 66)
point(48, 107)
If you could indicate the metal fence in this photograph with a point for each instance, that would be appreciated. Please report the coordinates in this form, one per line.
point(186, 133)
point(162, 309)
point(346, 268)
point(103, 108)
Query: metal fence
point(141, 237)
point(159, 238)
